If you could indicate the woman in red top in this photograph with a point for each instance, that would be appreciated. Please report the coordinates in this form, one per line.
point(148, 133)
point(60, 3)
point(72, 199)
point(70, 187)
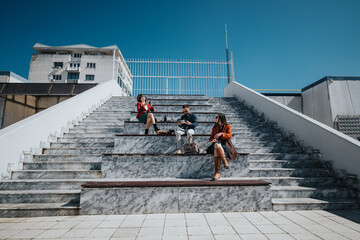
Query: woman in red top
point(144, 114)
point(221, 132)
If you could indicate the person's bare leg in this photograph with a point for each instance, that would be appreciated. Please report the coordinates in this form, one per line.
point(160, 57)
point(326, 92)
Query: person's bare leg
point(152, 119)
point(148, 122)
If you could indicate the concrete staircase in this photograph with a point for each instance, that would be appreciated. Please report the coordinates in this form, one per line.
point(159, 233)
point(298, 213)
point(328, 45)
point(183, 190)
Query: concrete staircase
point(51, 183)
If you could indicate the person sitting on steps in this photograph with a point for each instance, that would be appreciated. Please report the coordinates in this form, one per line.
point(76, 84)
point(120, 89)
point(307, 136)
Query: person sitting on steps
point(221, 132)
point(144, 115)
point(187, 124)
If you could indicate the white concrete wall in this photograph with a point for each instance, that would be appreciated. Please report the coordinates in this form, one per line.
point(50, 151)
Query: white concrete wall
point(343, 150)
point(344, 97)
point(316, 103)
point(293, 102)
point(31, 132)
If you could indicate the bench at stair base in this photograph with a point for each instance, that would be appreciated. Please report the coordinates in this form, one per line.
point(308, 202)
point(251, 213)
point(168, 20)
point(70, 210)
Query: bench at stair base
point(169, 166)
point(180, 196)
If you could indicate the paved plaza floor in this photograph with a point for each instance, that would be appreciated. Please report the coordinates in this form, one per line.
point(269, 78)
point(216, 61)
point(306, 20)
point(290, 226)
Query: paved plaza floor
point(280, 225)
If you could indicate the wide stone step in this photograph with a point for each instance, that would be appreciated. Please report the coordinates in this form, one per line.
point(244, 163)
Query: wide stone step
point(202, 116)
point(82, 125)
point(40, 196)
point(83, 145)
point(311, 192)
point(72, 151)
point(285, 164)
point(96, 130)
point(42, 184)
point(178, 102)
point(202, 127)
point(168, 166)
point(256, 149)
point(304, 181)
point(88, 135)
point(289, 172)
point(86, 140)
point(67, 157)
point(282, 156)
point(166, 108)
point(62, 165)
point(56, 174)
point(172, 96)
point(292, 204)
point(183, 196)
point(38, 210)
point(167, 144)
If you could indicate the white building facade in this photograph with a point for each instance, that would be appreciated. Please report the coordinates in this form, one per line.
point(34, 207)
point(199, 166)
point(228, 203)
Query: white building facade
point(79, 64)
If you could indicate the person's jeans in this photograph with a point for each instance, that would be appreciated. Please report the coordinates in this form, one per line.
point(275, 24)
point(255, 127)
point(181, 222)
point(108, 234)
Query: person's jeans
point(181, 132)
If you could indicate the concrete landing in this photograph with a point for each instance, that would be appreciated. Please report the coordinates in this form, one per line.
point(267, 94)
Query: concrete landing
point(313, 225)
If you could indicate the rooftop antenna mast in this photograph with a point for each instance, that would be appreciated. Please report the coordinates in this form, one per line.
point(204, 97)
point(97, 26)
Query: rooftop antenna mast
point(227, 55)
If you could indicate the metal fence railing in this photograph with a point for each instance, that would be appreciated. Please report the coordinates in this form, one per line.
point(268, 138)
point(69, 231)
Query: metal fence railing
point(180, 77)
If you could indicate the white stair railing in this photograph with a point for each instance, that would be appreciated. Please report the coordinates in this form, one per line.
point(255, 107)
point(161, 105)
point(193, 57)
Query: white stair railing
point(29, 135)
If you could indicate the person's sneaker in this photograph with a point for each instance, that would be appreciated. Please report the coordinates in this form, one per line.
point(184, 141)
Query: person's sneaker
point(178, 151)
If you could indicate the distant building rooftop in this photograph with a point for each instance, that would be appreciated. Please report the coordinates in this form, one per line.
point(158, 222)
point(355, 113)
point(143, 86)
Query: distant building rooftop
point(42, 48)
point(14, 75)
point(339, 78)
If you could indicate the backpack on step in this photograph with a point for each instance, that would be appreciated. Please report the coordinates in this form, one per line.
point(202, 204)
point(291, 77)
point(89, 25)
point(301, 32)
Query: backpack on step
point(191, 148)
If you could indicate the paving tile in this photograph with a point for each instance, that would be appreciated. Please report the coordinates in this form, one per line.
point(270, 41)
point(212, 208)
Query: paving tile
point(12, 220)
point(67, 225)
point(6, 225)
point(304, 236)
point(175, 238)
point(101, 233)
point(155, 222)
point(196, 222)
point(175, 215)
point(279, 237)
point(115, 217)
point(8, 233)
point(21, 225)
point(175, 231)
point(126, 232)
point(43, 225)
point(133, 221)
point(109, 224)
point(124, 238)
point(256, 218)
point(331, 236)
point(52, 233)
point(209, 237)
point(269, 229)
point(175, 222)
point(253, 237)
point(150, 232)
point(316, 228)
point(96, 217)
point(197, 231)
point(27, 234)
point(156, 216)
point(77, 233)
point(246, 229)
point(222, 230)
point(227, 237)
point(292, 228)
point(88, 224)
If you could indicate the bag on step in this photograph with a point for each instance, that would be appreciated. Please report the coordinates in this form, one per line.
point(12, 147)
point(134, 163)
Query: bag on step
point(191, 148)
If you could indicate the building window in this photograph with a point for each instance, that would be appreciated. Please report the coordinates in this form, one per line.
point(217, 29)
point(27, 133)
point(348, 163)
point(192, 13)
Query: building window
point(77, 55)
point(75, 65)
point(91, 65)
point(58, 64)
point(72, 75)
point(56, 77)
point(90, 77)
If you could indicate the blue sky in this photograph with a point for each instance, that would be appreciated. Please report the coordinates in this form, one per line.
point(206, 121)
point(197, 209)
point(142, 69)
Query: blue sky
point(285, 44)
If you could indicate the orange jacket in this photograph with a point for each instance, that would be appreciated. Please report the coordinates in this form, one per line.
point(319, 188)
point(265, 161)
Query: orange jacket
point(141, 109)
point(226, 132)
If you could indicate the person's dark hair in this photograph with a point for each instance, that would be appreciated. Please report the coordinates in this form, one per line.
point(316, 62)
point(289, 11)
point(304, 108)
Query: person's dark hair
point(185, 106)
point(139, 97)
point(222, 118)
